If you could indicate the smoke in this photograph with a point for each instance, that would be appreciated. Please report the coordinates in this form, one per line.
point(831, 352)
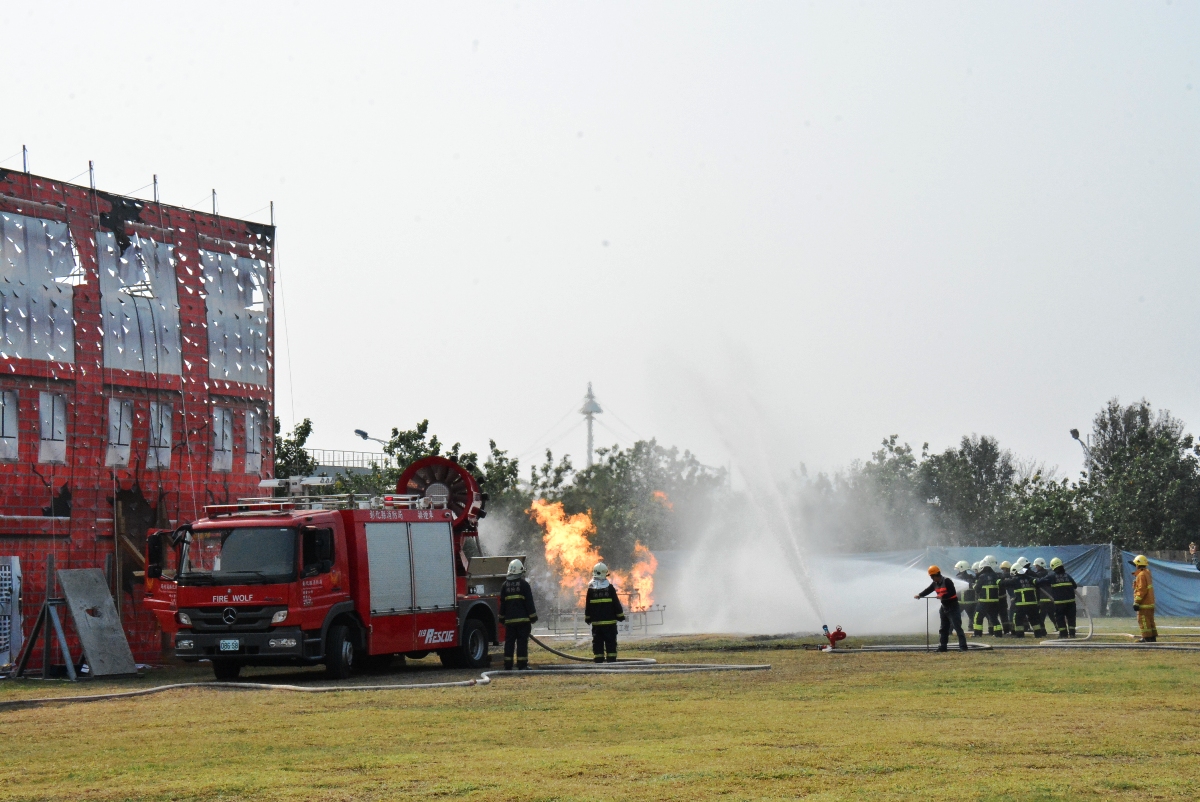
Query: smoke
point(755, 568)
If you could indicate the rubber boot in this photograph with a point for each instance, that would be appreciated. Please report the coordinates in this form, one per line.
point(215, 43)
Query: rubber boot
point(522, 665)
point(598, 658)
point(612, 658)
point(508, 663)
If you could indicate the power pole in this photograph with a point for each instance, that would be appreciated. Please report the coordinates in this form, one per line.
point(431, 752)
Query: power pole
point(590, 410)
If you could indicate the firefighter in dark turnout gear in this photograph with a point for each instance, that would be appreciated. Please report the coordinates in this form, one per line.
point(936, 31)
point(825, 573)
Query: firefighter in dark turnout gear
point(518, 614)
point(1045, 600)
point(966, 599)
point(1062, 588)
point(988, 602)
point(603, 610)
point(1006, 608)
point(950, 615)
point(1020, 587)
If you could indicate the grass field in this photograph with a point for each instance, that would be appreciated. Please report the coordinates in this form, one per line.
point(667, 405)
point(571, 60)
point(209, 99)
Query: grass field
point(985, 725)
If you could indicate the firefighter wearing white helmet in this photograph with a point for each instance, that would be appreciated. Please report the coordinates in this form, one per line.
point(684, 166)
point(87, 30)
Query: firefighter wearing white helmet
point(1045, 601)
point(1020, 588)
point(1062, 588)
point(988, 604)
point(518, 615)
point(966, 598)
point(602, 609)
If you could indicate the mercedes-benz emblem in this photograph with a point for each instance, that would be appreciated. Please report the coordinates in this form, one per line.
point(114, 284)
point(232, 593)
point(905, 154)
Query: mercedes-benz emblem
point(229, 615)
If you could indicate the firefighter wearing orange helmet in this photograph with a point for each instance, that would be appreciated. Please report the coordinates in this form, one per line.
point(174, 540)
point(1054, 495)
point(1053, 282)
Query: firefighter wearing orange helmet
point(948, 612)
point(1143, 598)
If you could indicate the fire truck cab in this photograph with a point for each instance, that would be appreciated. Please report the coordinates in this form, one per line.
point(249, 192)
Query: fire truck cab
point(344, 580)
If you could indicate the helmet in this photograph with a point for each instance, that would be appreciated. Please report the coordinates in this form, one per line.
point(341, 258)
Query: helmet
point(961, 565)
point(976, 566)
point(989, 562)
point(1020, 565)
point(1140, 561)
point(934, 570)
point(516, 568)
point(1056, 563)
point(599, 571)
point(1040, 562)
point(1005, 564)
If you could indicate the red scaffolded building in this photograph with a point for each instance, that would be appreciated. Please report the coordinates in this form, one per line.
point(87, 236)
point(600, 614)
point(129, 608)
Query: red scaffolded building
point(136, 378)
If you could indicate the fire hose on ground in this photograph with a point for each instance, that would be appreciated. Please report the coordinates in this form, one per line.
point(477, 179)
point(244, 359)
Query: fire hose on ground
point(625, 666)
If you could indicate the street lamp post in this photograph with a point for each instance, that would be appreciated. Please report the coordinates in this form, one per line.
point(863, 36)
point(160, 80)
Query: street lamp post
point(366, 436)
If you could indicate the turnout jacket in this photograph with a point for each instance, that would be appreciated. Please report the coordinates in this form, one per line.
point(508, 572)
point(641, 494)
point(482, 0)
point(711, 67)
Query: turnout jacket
point(602, 605)
point(1021, 588)
point(968, 595)
point(516, 602)
point(1043, 592)
point(1062, 586)
point(987, 586)
point(946, 592)
point(1143, 588)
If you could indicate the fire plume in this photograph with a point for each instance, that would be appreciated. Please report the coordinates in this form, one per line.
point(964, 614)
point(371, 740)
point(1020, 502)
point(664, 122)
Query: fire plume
point(571, 555)
point(569, 552)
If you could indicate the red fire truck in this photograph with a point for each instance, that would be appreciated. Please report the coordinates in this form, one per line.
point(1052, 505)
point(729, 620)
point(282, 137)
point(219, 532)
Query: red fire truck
point(340, 580)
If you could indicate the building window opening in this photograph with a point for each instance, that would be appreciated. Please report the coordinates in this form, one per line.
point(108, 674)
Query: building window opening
point(159, 455)
point(253, 442)
point(52, 412)
point(120, 432)
point(222, 440)
point(8, 426)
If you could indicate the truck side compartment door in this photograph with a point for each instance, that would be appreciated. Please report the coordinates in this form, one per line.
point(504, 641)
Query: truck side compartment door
point(433, 566)
point(389, 567)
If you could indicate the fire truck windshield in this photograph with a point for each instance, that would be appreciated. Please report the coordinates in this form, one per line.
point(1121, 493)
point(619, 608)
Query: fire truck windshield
point(246, 556)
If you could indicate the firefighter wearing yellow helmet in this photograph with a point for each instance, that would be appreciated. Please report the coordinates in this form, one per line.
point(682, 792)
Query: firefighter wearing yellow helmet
point(1062, 588)
point(988, 604)
point(518, 615)
point(1143, 598)
point(602, 609)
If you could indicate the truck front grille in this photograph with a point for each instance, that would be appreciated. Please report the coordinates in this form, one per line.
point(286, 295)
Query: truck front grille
point(246, 619)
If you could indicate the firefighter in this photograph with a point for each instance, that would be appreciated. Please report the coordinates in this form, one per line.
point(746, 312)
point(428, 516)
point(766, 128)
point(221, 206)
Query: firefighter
point(603, 611)
point(1006, 600)
point(1045, 600)
point(1062, 588)
point(950, 615)
point(966, 599)
point(518, 615)
point(1143, 598)
point(1020, 587)
point(988, 603)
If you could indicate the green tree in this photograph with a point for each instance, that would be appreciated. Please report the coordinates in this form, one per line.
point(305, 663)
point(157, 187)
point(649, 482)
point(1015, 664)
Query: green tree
point(969, 491)
point(1143, 478)
point(291, 458)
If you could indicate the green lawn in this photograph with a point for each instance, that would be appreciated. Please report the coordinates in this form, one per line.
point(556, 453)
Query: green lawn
point(985, 725)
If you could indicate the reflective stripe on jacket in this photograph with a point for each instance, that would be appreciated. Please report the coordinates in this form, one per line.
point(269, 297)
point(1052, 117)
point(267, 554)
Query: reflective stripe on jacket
point(516, 602)
point(1143, 588)
point(602, 606)
point(987, 586)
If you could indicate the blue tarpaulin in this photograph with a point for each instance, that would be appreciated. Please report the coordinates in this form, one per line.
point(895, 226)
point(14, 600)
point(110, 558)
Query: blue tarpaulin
point(1087, 565)
point(1176, 586)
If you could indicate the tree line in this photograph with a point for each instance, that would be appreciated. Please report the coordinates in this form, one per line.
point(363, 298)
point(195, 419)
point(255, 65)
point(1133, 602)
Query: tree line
point(1139, 489)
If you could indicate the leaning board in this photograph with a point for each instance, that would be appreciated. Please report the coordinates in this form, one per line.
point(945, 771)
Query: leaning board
point(96, 621)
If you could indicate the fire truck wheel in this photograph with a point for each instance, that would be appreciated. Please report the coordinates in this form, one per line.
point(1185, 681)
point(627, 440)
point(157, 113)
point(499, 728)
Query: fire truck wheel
point(472, 651)
point(226, 670)
point(339, 654)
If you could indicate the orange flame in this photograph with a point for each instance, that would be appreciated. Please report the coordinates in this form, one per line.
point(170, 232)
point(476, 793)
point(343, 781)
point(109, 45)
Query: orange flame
point(663, 499)
point(570, 554)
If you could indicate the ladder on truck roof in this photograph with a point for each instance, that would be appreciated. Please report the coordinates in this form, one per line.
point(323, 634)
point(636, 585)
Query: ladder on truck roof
point(283, 505)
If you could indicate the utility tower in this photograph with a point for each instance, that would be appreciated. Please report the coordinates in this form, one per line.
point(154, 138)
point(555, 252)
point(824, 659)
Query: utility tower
point(590, 410)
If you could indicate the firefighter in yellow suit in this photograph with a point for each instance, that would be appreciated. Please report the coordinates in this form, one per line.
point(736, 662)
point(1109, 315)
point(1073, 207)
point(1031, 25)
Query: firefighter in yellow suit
point(1143, 598)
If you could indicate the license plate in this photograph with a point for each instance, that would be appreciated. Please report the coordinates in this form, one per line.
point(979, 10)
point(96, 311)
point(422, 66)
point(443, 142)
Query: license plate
point(231, 645)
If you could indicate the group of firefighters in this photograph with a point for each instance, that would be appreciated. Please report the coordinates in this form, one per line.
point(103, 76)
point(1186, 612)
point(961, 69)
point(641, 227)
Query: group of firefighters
point(602, 609)
point(1015, 598)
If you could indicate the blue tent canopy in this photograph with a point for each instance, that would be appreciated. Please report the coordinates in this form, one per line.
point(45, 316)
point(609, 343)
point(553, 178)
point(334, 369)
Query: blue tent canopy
point(1088, 564)
point(1176, 586)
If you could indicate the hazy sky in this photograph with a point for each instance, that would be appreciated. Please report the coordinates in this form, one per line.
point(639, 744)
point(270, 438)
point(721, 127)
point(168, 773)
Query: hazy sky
point(853, 219)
